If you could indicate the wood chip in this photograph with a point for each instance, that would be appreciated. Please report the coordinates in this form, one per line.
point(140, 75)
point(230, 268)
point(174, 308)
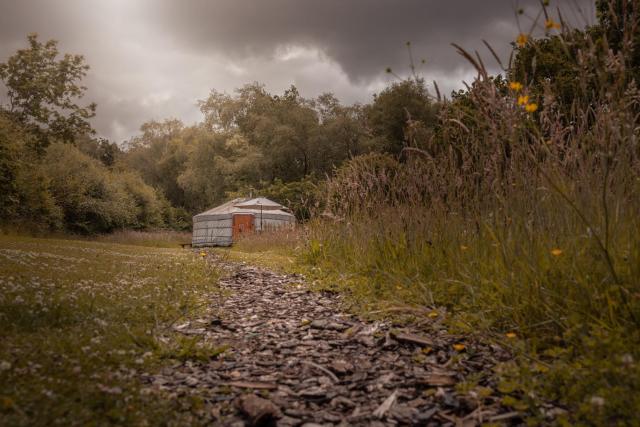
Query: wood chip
point(412, 339)
point(252, 384)
point(505, 416)
point(386, 405)
point(322, 369)
point(438, 380)
point(259, 411)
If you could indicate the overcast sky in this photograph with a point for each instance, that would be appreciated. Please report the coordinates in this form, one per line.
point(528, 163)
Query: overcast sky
point(153, 59)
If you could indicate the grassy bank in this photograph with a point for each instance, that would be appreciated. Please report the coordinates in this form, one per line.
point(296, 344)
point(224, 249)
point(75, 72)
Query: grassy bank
point(575, 328)
point(549, 297)
point(82, 321)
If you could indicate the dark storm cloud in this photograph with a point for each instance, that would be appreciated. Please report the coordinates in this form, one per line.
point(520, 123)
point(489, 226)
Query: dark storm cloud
point(363, 36)
point(152, 59)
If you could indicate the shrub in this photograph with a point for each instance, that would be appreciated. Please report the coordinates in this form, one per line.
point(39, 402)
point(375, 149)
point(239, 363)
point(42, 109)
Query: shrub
point(25, 198)
point(97, 200)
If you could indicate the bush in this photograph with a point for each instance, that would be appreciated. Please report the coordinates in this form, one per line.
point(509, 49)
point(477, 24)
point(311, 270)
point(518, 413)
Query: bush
point(96, 200)
point(149, 206)
point(91, 199)
point(25, 199)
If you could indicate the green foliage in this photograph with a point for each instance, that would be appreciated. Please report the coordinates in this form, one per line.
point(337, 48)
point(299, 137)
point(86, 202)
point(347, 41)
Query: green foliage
point(252, 141)
point(568, 70)
point(394, 107)
point(148, 205)
point(25, 196)
point(9, 166)
point(64, 188)
point(46, 185)
point(209, 166)
point(109, 153)
point(91, 200)
point(159, 155)
point(95, 199)
point(43, 91)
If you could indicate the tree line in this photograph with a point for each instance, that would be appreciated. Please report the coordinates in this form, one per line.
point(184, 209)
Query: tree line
point(56, 175)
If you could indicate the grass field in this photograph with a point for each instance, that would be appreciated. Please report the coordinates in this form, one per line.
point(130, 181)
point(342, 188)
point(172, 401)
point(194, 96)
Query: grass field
point(81, 321)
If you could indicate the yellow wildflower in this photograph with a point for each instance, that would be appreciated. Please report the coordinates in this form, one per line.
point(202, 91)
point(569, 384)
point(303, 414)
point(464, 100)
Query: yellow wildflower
point(556, 252)
point(522, 39)
point(515, 86)
point(511, 335)
point(458, 347)
point(550, 24)
point(523, 100)
point(530, 108)
point(203, 254)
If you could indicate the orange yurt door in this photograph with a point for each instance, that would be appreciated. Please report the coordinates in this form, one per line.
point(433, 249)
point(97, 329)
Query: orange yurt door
point(242, 223)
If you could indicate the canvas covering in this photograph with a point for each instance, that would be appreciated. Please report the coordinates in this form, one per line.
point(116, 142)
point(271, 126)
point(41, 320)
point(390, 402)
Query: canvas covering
point(215, 226)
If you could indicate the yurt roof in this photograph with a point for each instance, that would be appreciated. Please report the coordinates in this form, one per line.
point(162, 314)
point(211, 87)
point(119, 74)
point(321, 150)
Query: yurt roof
point(245, 205)
point(259, 202)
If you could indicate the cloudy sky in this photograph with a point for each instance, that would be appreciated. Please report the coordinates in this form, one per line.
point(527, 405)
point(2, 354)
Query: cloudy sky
point(153, 59)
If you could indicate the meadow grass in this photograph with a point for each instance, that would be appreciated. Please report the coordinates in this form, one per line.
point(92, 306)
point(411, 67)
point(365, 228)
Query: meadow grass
point(548, 296)
point(156, 239)
point(274, 249)
point(82, 321)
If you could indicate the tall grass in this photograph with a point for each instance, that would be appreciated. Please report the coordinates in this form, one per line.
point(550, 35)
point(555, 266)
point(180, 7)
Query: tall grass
point(516, 220)
point(284, 240)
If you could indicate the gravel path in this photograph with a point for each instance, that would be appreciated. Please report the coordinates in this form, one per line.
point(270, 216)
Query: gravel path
point(295, 358)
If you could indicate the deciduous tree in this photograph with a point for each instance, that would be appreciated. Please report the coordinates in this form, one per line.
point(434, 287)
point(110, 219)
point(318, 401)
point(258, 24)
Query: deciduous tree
point(43, 91)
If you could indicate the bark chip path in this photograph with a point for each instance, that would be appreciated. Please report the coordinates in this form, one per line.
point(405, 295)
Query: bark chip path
point(294, 358)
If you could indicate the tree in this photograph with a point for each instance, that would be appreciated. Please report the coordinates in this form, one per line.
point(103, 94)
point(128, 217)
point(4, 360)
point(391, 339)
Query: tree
point(25, 197)
point(204, 178)
point(392, 108)
point(280, 126)
point(10, 153)
point(159, 155)
point(43, 92)
point(100, 149)
point(342, 134)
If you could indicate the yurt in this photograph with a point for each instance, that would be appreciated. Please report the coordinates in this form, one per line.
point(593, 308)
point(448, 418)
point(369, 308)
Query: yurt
point(222, 225)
